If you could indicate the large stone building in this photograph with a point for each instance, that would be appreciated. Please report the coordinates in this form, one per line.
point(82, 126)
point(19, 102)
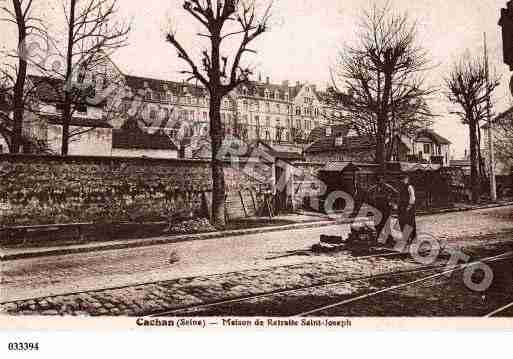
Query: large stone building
point(172, 111)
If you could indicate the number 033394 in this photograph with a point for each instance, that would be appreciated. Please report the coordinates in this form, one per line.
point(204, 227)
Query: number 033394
point(23, 346)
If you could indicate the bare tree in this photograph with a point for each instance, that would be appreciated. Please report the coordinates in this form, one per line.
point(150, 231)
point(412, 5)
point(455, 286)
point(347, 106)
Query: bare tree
point(468, 88)
point(382, 73)
point(92, 34)
point(15, 76)
point(221, 20)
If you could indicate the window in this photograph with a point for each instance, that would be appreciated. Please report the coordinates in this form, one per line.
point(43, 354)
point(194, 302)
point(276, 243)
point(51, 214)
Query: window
point(298, 111)
point(153, 114)
point(266, 93)
point(268, 121)
point(204, 116)
point(126, 106)
point(244, 91)
point(339, 141)
point(245, 105)
point(278, 108)
point(147, 95)
point(268, 107)
point(427, 148)
point(166, 113)
point(191, 114)
point(81, 108)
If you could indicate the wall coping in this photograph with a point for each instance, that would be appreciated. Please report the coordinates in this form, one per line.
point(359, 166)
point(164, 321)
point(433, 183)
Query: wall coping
point(105, 159)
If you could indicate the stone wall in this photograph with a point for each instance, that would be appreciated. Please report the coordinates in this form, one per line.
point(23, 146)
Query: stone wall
point(365, 156)
point(54, 189)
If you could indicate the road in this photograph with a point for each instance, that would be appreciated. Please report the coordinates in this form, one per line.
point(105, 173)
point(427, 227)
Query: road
point(50, 276)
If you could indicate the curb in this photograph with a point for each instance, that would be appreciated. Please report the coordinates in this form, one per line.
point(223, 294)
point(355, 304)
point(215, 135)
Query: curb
point(136, 243)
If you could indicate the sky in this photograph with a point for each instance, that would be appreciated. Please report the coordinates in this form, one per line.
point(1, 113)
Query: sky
point(306, 35)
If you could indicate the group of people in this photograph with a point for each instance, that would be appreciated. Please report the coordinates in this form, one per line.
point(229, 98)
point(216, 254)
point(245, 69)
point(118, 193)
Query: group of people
point(383, 195)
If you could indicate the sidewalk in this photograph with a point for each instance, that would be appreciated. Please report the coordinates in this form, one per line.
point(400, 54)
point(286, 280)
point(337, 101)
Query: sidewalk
point(301, 220)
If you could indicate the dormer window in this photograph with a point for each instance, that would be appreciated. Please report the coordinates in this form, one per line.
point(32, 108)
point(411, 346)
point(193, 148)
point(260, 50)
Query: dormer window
point(339, 141)
point(244, 91)
point(328, 131)
point(147, 95)
point(266, 93)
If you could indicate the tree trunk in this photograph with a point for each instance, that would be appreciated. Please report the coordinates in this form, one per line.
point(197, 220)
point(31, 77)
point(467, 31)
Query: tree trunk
point(66, 113)
point(380, 143)
point(474, 170)
point(218, 184)
point(18, 100)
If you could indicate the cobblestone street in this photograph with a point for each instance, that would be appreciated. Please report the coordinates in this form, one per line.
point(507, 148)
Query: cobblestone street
point(152, 279)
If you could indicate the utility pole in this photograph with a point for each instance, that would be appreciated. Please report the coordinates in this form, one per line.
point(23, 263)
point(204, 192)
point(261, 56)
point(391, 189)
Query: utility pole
point(493, 186)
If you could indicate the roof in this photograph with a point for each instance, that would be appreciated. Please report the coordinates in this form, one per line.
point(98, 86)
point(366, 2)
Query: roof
point(434, 136)
point(339, 166)
point(177, 88)
point(459, 163)
point(131, 136)
point(281, 151)
point(51, 90)
point(316, 134)
point(328, 143)
point(411, 167)
point(502, 116)
point(78, 121)
point(257, 89)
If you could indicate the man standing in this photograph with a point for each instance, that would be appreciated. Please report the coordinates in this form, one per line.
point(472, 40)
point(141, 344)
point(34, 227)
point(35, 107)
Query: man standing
point(381, 197)
point(407, 210)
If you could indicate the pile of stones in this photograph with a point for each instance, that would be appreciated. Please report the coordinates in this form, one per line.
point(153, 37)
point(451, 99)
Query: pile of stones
point(362, 236)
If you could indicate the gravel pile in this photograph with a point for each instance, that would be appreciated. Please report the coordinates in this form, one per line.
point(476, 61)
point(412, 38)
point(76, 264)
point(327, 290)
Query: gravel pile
point(200, 225)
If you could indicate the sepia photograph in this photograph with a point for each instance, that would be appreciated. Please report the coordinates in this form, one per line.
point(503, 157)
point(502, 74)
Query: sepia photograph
point(245, 164)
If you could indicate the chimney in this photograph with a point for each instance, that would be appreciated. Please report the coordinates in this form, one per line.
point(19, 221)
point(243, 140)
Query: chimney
point(298, 84)
point(259, 77)
point(314, 88)
point(267, 80)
